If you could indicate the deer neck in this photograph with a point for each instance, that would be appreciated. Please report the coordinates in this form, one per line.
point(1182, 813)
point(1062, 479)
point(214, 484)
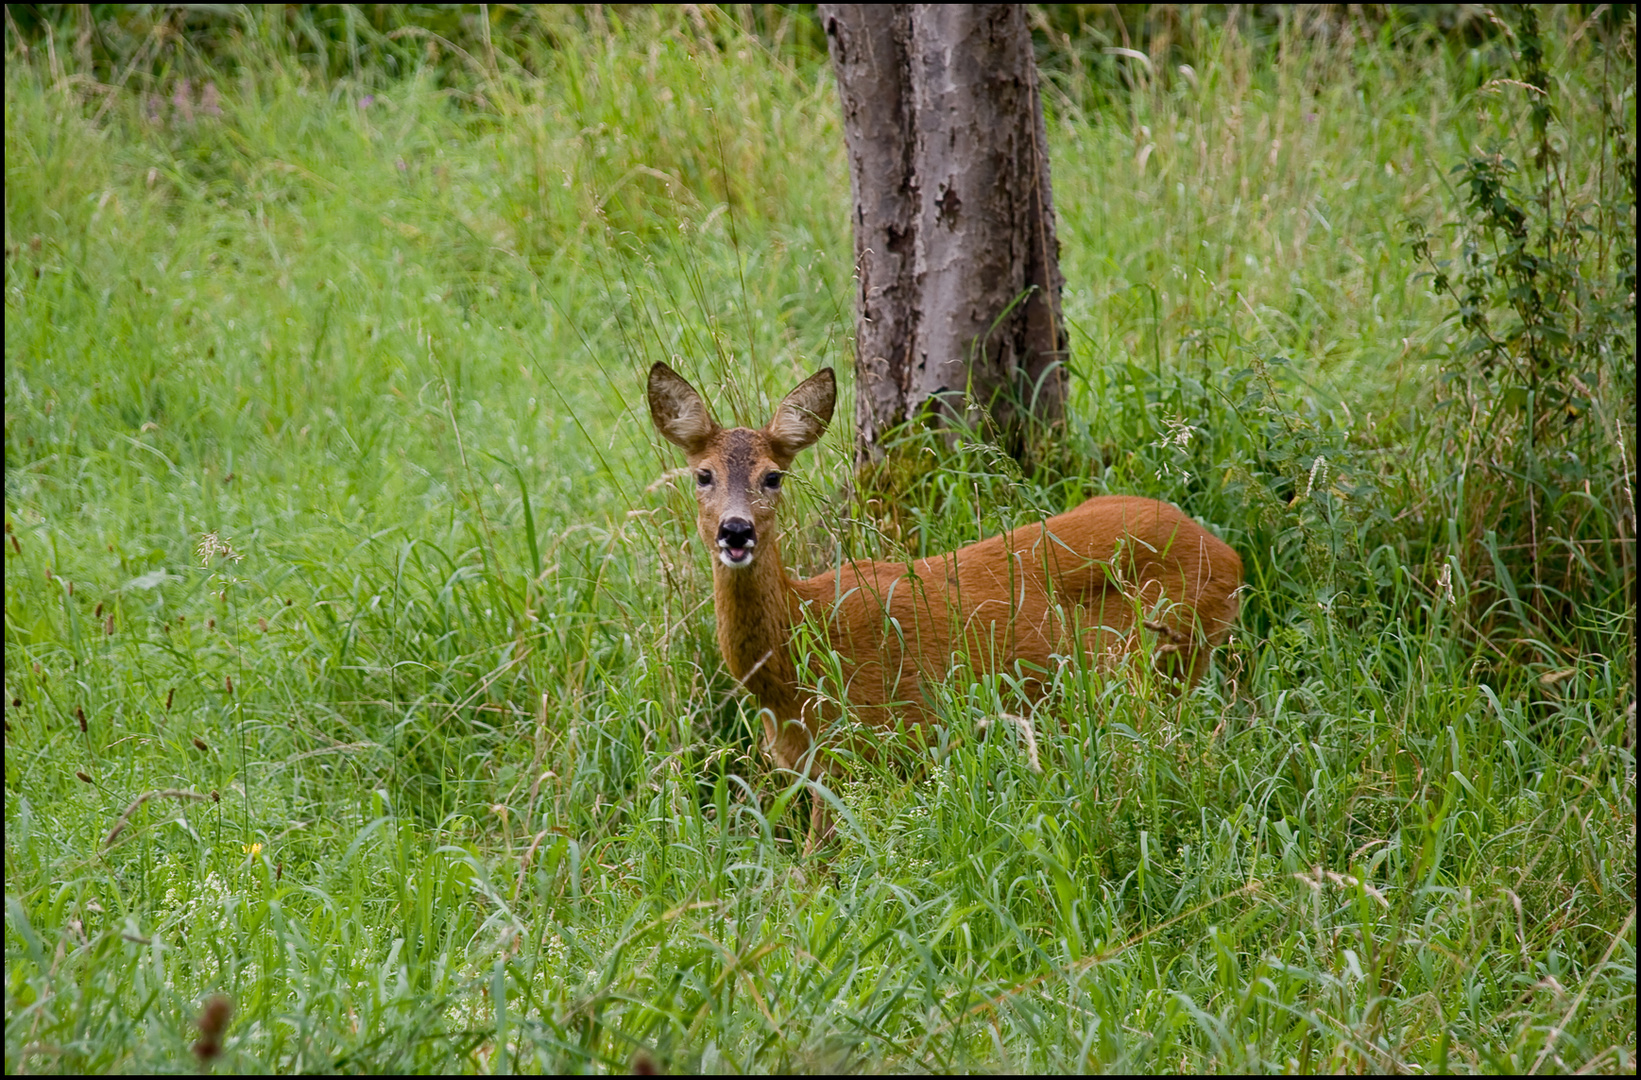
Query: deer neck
point(754, 607)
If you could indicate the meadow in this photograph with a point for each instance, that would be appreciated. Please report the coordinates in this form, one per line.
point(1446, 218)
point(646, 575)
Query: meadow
point(359, 662)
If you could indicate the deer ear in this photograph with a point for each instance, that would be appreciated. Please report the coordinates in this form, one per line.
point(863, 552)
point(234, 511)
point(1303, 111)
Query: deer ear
point(678, 412)
point(802, 415)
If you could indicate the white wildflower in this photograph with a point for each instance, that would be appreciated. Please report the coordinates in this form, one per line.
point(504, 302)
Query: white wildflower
point(1319, 468)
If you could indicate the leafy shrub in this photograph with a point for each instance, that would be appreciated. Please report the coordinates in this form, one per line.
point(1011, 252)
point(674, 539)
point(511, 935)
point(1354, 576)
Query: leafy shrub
point(1536, 426)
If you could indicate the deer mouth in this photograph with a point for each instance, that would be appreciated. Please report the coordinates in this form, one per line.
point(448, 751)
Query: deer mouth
point(737, 536)
point(736, 555)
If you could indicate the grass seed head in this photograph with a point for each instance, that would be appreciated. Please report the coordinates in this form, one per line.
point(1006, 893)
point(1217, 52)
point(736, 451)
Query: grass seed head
point(211, 546)
point(213, 1021)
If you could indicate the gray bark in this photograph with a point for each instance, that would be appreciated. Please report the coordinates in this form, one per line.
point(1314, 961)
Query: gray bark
point(953, 220)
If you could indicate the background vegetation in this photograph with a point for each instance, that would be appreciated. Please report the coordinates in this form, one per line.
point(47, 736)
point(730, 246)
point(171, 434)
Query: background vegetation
point(358, 653)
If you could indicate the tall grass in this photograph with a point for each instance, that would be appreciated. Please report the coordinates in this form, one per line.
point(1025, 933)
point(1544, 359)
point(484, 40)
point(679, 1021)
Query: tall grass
point(426, 760)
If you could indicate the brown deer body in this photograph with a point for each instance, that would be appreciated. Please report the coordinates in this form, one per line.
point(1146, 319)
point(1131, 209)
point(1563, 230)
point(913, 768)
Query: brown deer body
point(1082, 581)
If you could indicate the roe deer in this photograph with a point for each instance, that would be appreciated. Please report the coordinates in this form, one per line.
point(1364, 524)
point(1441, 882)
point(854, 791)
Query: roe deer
point(1078, 581)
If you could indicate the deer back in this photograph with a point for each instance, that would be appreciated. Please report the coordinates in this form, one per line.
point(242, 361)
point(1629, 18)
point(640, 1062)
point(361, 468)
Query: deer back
point(1082, 581)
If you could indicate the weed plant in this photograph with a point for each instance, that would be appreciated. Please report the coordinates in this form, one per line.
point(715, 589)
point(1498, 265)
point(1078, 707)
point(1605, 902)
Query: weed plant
point(358, 656)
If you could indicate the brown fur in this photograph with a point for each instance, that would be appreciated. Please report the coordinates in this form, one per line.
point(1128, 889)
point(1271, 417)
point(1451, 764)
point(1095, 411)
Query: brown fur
point(1079, 581)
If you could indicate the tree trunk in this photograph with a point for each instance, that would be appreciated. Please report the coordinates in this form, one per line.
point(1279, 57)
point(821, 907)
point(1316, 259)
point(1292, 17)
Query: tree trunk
point(957, 269)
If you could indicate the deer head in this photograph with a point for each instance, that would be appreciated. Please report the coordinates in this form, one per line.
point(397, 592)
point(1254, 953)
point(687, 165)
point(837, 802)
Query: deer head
point(738, 470)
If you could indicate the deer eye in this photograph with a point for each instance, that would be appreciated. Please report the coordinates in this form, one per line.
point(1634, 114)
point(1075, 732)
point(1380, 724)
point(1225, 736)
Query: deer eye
point(772, 481)
point(703, 477)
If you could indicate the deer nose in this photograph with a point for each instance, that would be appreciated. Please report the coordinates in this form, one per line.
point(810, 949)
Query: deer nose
point(736, 532)
point(736, 539)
